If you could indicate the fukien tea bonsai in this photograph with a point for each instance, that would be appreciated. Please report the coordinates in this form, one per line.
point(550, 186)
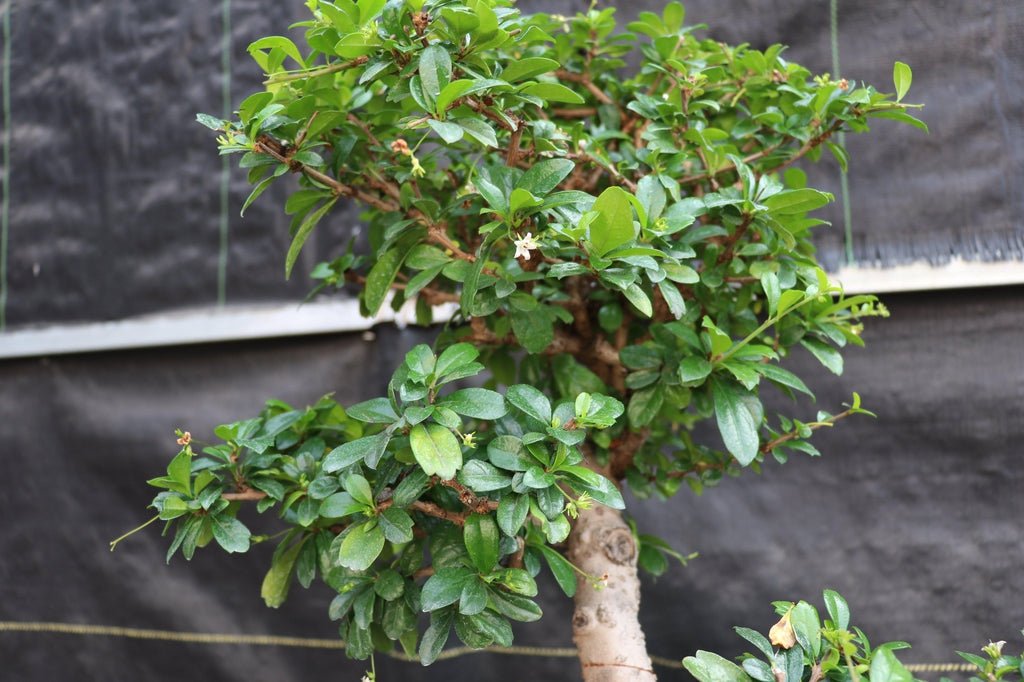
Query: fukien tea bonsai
point(624, 253)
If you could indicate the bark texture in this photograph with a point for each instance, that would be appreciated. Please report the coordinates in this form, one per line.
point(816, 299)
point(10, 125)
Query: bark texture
point(606, 628)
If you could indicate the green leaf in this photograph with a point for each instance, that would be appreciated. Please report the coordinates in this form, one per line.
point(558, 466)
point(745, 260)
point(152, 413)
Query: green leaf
point(652, 197)
point(436, 450)
point(644, 405)
point(738, 420)
point(507, 453)
point(528, 67)
point(278, 42)
point(455, 357)
point(444, 588)
point(396, 524)
point(513, 606)
point(435, 636)
point(473, 599)
point(478, 403)
point(482, 477)
point(807, 627)
point(478, 130)
point(565, 574)
point(838, 609)
point(472, 282)
point(481, 537)
point(411, 487)
point(421, 361)
point(710, 667)
point(600, 488)
point(375, 411)
point(389, 585)
point(518, 580)
point(826, 354)
point(902, 76)
point(338, 505)
point(784, 377)
point(885, 667)
point(535, 330)
point(368, 449)
point(275, 584)
point(379, 279)
point(694, 370)
point(531, 401)
point(464, 88)
point(449, 132)
point(794, 201)
point(512, 511)
point(230, 533)
point(179, 471)
point(545, 175)
point(359, 488)
point(302, 234)
point(435, 68)
point(613, 225)
point(552, 92)
point(361, 546)
point(639, 299)
point(674, 299)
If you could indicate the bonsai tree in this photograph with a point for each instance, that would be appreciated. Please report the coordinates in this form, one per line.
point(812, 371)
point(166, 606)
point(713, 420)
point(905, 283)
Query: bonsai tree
point(622, 255)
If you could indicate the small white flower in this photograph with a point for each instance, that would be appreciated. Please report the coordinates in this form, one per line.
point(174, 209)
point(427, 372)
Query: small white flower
point(524, 245)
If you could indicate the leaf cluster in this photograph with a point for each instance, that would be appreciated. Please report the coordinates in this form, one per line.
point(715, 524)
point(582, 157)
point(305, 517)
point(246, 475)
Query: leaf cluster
point(469, 488)
point(802, 648)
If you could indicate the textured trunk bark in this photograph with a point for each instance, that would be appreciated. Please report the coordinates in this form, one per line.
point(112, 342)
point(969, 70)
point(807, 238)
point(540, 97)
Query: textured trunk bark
point(606, 627)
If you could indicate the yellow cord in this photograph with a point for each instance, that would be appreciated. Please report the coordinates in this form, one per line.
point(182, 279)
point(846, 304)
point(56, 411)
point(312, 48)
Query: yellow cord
point(315, 643)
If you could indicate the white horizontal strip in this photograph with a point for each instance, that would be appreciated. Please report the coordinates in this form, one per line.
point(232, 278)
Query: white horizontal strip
point(204, 325)
point(957, 274)
point(240, 322)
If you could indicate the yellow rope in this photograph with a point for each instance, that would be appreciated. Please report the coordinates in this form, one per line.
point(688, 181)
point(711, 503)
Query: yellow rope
point(315, 643)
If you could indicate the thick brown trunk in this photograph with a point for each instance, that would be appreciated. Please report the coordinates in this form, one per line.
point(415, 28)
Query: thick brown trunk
point(605, 625)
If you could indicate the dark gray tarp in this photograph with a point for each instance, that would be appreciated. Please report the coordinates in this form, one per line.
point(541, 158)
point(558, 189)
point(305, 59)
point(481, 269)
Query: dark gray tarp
point(115, 211)
point(115, 191)
point(914, 516)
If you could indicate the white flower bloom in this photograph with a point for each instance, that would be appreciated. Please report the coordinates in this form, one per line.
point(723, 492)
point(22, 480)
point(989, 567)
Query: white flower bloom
point(524, 245)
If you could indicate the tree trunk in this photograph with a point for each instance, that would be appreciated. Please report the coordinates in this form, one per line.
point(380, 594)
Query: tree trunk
point(605, 626)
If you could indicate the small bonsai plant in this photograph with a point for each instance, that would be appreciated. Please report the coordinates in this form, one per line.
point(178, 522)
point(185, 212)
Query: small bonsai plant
point(627, 257)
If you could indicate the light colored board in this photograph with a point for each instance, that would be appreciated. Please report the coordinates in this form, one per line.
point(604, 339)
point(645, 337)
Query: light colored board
point(238, 323)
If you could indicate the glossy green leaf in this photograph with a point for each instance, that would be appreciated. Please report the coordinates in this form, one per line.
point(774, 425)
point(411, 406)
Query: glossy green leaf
point(481, 477)
point(599, 487)
point(738, 420)
point(565, 574)
point(436, 450)
point(435, 69)
point(902, 77)
point(379, 279)
point(444, 587)
point(613, 225)
point(478, 403)
point(710, 667)
point(838, 609)
point(528, 67)
point(361, 546)
point(545, 175)
point(230, 533)
point(481, 536)
point(531, 401)
point(512, 511)
point(278, 579)
point(368, 449)
point(825, 354)
point(302, 234)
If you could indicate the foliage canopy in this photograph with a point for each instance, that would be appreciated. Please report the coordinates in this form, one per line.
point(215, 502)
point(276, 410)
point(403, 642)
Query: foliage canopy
point(616, 225)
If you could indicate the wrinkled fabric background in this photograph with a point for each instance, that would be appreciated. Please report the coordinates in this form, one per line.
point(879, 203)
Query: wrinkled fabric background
point(115, 209)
